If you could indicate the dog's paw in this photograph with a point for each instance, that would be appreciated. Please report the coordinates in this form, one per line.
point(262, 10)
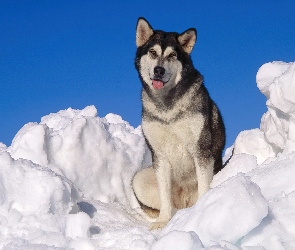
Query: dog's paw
point(158, 225)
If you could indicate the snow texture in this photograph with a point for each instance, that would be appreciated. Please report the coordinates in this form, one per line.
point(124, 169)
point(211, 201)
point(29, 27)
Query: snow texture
point(65, 183)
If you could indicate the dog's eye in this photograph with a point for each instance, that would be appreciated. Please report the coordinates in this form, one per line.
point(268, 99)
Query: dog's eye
point(153, 53)
point(172, 55)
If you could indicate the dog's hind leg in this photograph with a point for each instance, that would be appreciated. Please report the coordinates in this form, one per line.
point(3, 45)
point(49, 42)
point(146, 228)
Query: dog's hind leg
point(146, 191)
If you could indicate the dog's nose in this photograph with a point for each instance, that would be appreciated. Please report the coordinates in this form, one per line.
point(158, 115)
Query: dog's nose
point(159, 71)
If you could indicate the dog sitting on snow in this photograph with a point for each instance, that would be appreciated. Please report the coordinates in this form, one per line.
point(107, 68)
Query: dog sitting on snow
point(182, 126)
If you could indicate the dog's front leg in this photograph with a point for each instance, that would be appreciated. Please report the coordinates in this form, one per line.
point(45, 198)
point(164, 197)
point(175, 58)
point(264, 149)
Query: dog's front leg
point(204, 172)
point(163, 174)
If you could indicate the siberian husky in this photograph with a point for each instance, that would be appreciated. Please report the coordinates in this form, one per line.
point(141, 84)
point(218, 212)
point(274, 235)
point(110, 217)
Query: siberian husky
point(182, 126)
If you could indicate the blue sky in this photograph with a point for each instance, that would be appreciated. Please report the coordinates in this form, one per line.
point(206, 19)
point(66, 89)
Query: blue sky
point(60, 54)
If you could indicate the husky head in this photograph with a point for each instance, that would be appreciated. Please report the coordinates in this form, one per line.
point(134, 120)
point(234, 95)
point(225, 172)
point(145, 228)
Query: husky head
point(162, 58)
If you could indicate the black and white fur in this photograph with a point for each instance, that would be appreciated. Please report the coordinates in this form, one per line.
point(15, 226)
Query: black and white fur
point(182, 126)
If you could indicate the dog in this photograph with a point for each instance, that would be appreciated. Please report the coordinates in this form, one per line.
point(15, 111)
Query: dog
point(182, 126)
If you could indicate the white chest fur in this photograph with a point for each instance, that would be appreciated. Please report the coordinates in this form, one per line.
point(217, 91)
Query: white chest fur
point(175, 142)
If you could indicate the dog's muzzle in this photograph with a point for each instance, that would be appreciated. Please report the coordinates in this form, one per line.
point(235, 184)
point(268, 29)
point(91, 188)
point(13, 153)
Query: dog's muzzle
point(157, 81)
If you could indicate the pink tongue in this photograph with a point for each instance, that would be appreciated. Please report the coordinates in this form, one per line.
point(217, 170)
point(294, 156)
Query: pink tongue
point(158, 84)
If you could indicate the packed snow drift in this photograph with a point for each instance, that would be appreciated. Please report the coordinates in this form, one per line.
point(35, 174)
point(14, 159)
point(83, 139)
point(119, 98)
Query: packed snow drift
point(65, 183)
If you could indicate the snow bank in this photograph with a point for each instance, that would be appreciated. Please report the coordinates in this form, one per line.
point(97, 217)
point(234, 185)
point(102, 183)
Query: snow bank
point(65, 183)
point(276, 81)
point(99, 155)
point(54, 171)
point(237, 204)
point(34, 203)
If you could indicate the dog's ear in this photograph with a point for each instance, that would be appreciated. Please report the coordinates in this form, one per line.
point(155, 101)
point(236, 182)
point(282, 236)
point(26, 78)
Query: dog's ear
point(143, 31)
point(188, 39)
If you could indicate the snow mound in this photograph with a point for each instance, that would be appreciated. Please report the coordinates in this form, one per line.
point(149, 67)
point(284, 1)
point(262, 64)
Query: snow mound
point(100, 155)
point(34, 202)
point(55, 170)
point(236, 203)
point(176, 240)
point(276, 81)
point(65, 183)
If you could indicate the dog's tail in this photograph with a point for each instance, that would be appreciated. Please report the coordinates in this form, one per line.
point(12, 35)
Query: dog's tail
point(228, 160)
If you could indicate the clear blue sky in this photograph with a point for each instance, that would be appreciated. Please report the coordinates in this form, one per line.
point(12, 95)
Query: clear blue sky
point(59, 54)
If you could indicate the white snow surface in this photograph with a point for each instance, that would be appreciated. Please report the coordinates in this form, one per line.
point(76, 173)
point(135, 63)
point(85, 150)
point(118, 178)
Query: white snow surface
point(65, 183)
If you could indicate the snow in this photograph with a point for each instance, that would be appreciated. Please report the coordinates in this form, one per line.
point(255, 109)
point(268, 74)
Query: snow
point(181, 240)
point(239, 203)
point(65, 183)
